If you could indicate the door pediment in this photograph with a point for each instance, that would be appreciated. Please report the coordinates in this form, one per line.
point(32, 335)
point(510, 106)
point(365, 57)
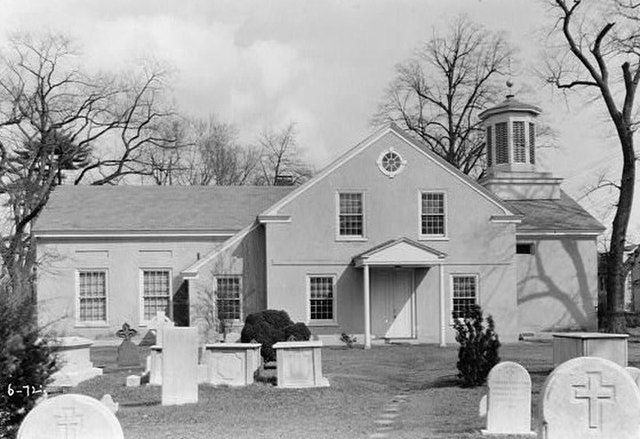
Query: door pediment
point(400, 252)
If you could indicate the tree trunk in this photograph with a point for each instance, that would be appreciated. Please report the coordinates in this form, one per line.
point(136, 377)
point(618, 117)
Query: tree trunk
point(615, 319)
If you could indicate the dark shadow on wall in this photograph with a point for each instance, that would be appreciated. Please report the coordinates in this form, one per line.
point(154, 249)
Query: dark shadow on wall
point(579, 311)
point(181, 305)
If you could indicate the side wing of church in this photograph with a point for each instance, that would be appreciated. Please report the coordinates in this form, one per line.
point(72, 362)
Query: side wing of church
point(387, 242)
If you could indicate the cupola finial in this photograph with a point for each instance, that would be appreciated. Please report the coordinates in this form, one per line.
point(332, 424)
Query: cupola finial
point(510, 91)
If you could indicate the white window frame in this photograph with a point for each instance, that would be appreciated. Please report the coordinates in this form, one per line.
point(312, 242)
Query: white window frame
point(477, 297)
point(433, 237)
point(324, 322)
point(380, 163)
point(241, 283)
point(143, 321)
point(91, 323)
point(340, 237)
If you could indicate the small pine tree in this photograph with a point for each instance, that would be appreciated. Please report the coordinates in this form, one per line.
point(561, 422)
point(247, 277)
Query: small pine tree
point(479, 345)
point(26, 359)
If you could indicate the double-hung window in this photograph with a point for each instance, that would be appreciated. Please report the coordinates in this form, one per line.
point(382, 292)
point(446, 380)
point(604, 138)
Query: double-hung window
point(229, 297)
point(322, 298)
point(156, 292)
point(432, 214)
point(465, 293)
point(350, 215)
point(92, 297)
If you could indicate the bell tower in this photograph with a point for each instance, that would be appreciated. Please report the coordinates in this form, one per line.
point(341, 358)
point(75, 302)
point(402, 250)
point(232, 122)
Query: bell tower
point(510, 139)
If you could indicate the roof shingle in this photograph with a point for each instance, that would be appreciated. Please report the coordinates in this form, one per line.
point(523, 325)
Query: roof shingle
point(562, 215)
point(155, 208)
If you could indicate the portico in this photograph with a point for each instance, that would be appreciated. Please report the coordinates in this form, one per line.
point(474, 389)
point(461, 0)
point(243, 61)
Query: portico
point(389, 290)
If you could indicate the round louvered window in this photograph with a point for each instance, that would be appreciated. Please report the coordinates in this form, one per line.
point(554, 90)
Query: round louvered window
point(391, 163)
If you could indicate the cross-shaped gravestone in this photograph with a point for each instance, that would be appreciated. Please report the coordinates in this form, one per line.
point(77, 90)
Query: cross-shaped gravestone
point(69, 422)
point(70, 416)
point(589, 397)
point(594, 392)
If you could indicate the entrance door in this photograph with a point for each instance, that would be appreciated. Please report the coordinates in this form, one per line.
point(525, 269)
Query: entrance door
point(392, 303)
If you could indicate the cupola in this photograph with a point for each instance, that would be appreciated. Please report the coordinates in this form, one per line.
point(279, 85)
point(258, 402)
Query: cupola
point(510, 139)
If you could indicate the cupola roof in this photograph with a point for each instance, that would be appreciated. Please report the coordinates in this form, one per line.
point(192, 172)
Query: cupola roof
point(510, 104)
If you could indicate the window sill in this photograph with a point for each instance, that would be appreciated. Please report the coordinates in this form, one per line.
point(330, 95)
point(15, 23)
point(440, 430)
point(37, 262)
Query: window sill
point(432, 238)
point(326, 324)
point(91, 325)
point(353, 239)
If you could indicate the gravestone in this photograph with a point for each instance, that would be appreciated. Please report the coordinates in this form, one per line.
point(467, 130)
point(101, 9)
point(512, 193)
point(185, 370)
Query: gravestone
point(589, 397)
point(74, 356)
point(133, 381)
point(509, 400)
point(108, 402)
point(128, 355)
point(180, 365)
point(635, 374)
point(70, 416)
point(154, 365)
point(158, 323)
point(300, 364)
point(231, 364)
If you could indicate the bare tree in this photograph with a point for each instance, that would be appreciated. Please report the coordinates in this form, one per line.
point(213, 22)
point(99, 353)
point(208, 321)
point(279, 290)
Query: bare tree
point(52, 116)
point(600, 55)
point(280, 161)
point(439, 92)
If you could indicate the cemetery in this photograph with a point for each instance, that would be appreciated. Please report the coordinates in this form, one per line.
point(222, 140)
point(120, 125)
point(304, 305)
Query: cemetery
point(185, 389)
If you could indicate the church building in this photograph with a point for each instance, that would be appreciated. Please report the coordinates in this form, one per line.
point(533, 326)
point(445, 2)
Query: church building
point(388, 242)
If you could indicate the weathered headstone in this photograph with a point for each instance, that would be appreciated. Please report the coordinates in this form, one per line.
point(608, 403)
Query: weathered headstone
point(589, 397)
point(73, 353)
point(509, 400)
point(300, 364)
point(154, 365)
point(70, 416)
point(158, 323)
point(635, 374)
point(108, 402)
point(180, 366)
point(232, 364)
point(128, 355)
point(133, 381)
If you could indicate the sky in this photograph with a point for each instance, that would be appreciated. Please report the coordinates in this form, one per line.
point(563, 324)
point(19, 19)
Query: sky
point(323, 64)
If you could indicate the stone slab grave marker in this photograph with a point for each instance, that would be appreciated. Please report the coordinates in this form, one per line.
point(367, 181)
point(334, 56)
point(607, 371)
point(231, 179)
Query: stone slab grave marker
point(589, 397)
point(635, 374)
point(70, 416)
point(128, 355)
point(73, 354)
point(232, 364)
point(180, 366)
point(508, 404)
point(300, 364)
point(158, 323)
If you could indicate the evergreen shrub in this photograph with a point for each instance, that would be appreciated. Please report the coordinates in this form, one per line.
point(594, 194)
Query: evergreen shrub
point(26, 359)
point(269, 327)
point(479, 346)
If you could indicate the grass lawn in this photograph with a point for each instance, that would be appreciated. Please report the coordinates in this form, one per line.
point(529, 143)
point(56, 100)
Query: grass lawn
point(362, 383)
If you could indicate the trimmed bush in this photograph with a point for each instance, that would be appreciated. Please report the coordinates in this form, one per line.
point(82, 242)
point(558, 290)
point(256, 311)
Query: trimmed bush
point(26, 359)
point(299, 331)
point(479, 345)
point(269, 327)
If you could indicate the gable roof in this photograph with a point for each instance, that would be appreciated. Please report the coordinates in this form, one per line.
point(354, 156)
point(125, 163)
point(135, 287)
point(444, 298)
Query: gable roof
point(564, 215)
point(411, 141)
point(155, 209)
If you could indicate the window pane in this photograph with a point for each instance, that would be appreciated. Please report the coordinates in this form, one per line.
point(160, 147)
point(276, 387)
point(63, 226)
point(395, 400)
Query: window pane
point(433, 216)
point(321, 296)
point(93, 296)
point(351, 214)
point(156, 294)
point(502, 146)
point(464, 294)
point(519, 147)
point(228, 300)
